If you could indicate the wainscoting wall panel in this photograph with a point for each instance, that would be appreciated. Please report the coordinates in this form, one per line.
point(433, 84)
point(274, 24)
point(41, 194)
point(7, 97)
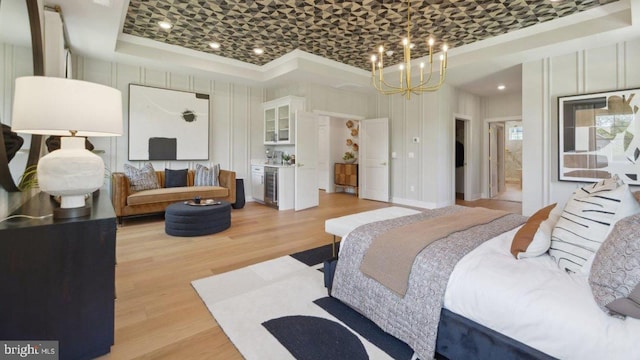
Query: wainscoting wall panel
point(429, 117)
point(232, 114)
point(15, 61)
point(604, 68)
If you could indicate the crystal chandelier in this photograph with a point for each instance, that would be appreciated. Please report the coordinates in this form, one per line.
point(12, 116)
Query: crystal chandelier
point(405, 87)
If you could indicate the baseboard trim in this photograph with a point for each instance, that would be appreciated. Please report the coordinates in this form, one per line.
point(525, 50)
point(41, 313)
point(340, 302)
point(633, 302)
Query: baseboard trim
point(474, 197)
point(414, 203)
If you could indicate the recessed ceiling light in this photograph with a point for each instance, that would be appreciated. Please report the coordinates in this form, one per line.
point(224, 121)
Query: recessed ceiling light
point(501, 87)
point(258, 51)
point(165, 25)
point(214, 45)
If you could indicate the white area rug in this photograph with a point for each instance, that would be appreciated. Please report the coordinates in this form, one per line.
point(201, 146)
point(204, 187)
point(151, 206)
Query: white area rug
point(243, 299)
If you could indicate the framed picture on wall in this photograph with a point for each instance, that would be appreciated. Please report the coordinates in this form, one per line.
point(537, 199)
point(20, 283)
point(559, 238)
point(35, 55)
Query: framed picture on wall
point(167, 124)
point(599, 136)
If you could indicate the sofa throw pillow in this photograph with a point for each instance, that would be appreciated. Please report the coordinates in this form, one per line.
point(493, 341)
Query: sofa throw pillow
point(175, 178)
point(615, 274)
point(526, 242)
point(141, 179)
point(207, 176)
point(586, 221)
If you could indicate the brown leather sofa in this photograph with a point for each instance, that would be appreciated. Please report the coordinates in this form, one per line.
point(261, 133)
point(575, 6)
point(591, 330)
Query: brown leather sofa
point(127, 203)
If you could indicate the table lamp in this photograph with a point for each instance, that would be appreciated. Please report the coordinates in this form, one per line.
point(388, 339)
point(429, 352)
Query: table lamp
point(72, 109)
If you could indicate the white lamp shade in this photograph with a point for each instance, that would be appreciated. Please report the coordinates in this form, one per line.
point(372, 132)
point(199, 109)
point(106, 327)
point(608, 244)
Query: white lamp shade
point(55, 106)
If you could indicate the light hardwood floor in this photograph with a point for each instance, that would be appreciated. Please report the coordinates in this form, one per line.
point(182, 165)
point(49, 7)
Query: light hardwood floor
point(160, 316)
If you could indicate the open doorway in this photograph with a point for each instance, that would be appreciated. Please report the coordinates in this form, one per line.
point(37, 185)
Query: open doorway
point(337, 135)
point(462, 149)
point(505, 160)
point(460, 160)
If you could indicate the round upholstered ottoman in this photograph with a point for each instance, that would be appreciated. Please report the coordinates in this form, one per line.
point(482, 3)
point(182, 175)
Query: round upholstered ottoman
point(181, 219)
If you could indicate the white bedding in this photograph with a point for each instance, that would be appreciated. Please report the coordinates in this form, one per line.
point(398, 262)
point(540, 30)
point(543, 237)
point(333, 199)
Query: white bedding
point(534, 302)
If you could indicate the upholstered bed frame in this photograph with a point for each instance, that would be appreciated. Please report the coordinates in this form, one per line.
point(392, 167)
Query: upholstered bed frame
point(461, 338)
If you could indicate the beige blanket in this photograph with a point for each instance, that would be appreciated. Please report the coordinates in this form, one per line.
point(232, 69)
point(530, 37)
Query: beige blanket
point(391, 255)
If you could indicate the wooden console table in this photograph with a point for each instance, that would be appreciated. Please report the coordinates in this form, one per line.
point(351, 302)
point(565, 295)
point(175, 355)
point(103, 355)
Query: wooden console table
point(346, 175)
point(58, 277)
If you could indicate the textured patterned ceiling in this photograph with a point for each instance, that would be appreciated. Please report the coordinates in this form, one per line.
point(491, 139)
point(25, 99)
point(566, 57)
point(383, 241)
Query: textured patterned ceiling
point(344, 31)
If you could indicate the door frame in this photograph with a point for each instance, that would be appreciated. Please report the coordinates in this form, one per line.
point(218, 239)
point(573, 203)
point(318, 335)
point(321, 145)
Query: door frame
point(496, 164)
point(467, 119)
point(486, 181)
point(332, 117)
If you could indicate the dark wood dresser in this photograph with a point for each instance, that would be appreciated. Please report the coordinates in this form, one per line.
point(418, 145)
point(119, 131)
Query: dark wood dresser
point(58, 278)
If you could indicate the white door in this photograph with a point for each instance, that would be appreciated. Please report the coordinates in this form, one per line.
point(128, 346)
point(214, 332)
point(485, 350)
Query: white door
point(493, 157)
point(306, 187)
point(500, 144)
point(323, 153)
point(374, 159)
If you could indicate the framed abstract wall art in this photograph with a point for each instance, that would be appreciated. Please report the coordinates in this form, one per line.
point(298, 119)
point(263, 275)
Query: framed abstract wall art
point(167, 124)
point(599, 136)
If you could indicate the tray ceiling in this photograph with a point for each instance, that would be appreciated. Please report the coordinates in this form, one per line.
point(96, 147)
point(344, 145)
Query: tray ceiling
point(344, 31)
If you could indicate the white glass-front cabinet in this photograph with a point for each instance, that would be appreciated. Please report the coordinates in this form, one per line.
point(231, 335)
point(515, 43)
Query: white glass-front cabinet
point(279, 119)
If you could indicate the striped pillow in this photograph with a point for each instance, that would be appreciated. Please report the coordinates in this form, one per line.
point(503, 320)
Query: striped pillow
point(141, 179)
point(207, 177)
point(586, 221)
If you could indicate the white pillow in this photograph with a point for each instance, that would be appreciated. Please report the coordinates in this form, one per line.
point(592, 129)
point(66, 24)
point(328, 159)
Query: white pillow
point(586, 221)
point(542, 238)
point(207, 176)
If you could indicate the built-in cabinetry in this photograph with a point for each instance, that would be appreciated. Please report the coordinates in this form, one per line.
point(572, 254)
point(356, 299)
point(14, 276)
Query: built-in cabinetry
point(286, 186)
point(58, 277)
point(279, 120)
point(274, 185)
point(346, 176)
point(257, 182)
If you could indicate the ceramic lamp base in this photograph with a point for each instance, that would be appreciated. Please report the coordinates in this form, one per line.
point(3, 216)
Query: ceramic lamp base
point(71, 172)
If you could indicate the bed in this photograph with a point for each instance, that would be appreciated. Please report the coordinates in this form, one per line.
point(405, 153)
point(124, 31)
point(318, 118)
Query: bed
point(492, 304)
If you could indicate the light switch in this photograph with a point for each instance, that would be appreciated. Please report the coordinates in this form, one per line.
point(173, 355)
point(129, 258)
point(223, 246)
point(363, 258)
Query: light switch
point(394, 155)
point(411, 155)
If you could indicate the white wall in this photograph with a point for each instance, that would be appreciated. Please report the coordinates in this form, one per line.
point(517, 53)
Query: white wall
point(237, 120)
point(235, 115)
point(431, 117)
point(431, 170)
point(502, 106)
point(15, 61)
point(600, 69)
point(328, 99)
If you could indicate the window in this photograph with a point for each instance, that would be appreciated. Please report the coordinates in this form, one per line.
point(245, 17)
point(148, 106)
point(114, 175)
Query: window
point(515, 133)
